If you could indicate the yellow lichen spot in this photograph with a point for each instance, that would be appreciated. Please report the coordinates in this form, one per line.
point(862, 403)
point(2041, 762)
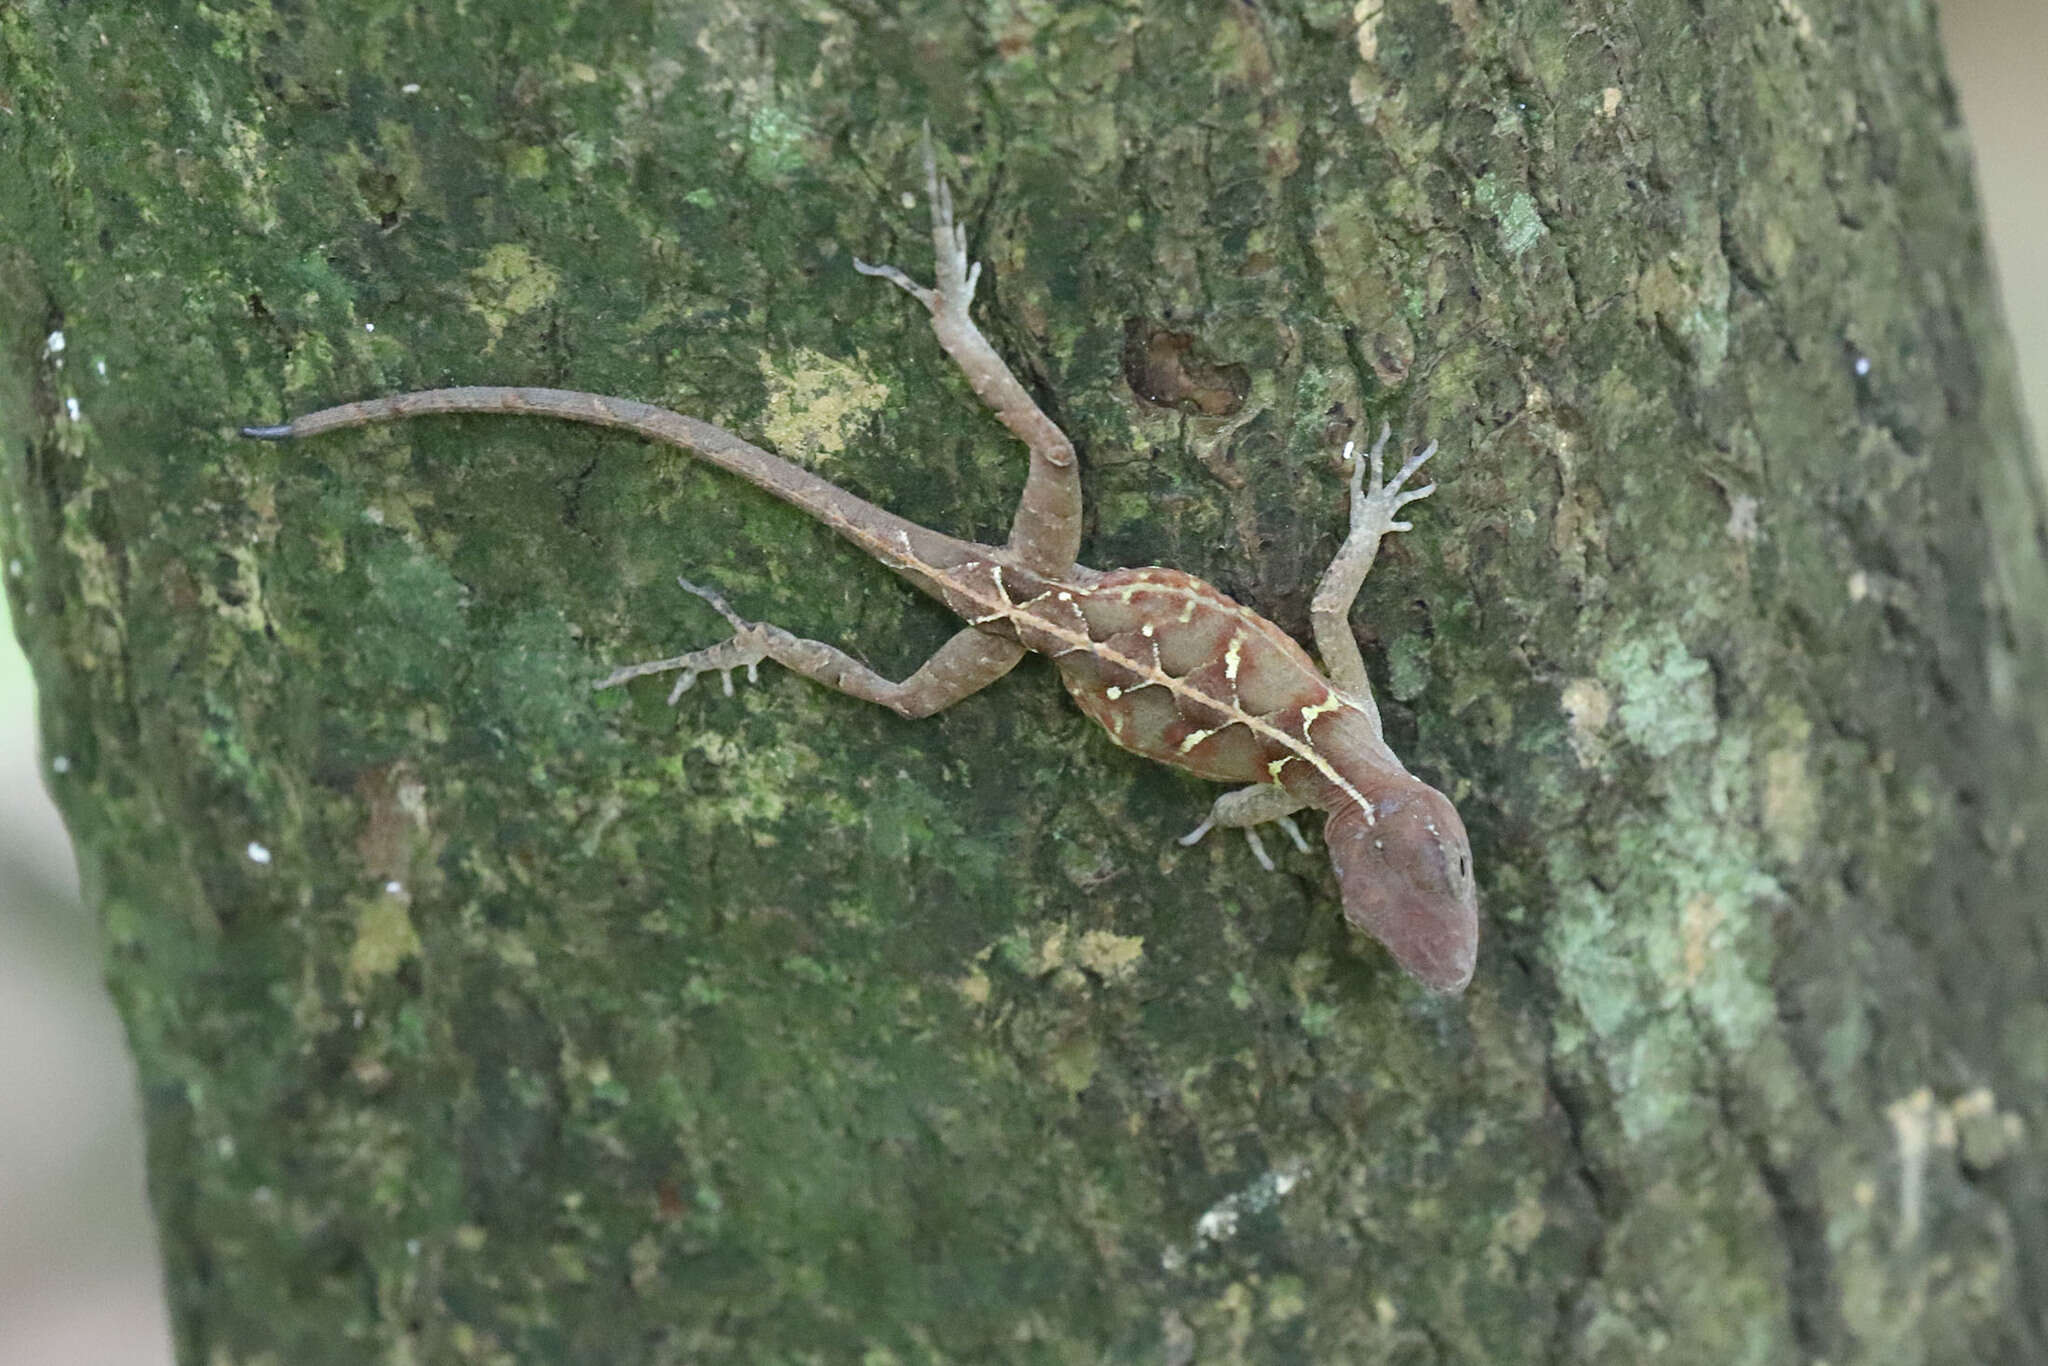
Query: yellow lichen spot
point(1522, 1223)
point(1112, 957)
point(372, 1074)
point(1610, 101)
point(94, 582)
point(1286, 1299)
point(1072, 1064)
point(1367, 14)
point(816, 405)
point(1742, 525)
point(1791, 805)
point(1588, 707)
point(1781, 251)
point(1703, 916)
point(1796, 15)
point(511, 283)
point(1918, 1127)
point(242, 606)
point(644, 1257)
point(526, 163)
point(974, 987)
point(569, 1263)
point(242, 153)
point(1973, 1104)
point(384, 938)
point(1052, 954)
point(1985, 1134)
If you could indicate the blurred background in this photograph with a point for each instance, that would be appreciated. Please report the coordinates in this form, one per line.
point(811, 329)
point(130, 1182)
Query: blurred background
point(78, 1275)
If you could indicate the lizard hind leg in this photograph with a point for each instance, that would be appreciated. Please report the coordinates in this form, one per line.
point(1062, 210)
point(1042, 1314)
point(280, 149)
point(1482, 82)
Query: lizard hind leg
point(744, 649)
point(1246, 807)
point(1045, 533)
point(964, 665)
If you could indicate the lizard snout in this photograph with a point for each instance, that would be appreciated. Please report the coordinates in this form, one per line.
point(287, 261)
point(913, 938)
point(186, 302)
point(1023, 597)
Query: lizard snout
point(1407, 881)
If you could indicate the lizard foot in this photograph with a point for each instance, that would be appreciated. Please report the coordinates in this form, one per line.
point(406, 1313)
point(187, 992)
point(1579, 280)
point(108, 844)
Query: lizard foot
point(955, 275)
point(745, 649)
point(1248, 807)
point(1374, 508)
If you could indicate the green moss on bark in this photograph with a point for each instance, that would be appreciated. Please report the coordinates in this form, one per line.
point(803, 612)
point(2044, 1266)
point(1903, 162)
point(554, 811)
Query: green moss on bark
point(483, 1019)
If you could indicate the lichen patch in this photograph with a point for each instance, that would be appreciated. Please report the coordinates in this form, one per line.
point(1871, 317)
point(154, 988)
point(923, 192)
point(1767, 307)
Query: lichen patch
point(1588, 707)
point(1112, 957)
point(385, 938)
point(511, 283)
point(816, 405)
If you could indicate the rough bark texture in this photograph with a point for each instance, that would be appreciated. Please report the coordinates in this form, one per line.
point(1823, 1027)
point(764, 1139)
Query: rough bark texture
point(483, 1019)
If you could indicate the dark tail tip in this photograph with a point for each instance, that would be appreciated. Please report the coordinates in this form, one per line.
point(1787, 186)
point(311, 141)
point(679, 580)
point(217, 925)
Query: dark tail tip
point(283, 433)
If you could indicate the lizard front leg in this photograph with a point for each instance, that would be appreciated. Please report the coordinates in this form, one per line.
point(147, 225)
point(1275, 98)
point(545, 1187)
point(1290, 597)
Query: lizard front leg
point(963, 666)
point(1045, 535)
point(1372, 517)
point(1245, 807)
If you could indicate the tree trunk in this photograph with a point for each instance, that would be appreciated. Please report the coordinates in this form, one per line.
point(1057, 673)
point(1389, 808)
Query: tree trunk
point(483, 1018)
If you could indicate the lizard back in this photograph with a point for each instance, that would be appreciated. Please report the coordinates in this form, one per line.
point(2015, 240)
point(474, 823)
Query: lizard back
point(1176, 670)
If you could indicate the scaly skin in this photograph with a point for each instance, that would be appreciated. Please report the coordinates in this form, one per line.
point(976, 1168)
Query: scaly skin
point(1170, 667)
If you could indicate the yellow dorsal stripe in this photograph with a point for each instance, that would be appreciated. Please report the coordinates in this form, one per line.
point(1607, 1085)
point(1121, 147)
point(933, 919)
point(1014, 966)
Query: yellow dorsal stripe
point(1004, 607)
point(1151, 675)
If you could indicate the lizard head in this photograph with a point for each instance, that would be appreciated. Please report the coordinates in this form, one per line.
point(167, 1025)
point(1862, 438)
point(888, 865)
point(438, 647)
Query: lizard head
point(1407, 881)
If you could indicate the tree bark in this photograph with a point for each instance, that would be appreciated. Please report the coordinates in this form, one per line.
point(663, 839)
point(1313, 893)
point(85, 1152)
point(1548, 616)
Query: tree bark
point(483, 1018)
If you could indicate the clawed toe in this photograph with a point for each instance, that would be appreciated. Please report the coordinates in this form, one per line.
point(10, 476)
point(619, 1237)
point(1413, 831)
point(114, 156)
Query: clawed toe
point(955, 275)
point(1376, 498)
point(898, 279)
point(742, 650)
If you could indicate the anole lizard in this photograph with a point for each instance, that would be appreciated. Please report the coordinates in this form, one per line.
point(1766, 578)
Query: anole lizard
point(1172, 668)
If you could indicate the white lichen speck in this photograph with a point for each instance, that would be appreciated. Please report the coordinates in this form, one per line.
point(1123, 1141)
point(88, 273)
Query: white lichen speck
point(1219, 1223)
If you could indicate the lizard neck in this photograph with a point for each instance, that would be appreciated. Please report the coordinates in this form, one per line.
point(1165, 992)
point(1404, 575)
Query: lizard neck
point(1356, 767)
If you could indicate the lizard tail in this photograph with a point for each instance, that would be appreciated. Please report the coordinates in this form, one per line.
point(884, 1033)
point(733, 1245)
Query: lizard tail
point(897, 542)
